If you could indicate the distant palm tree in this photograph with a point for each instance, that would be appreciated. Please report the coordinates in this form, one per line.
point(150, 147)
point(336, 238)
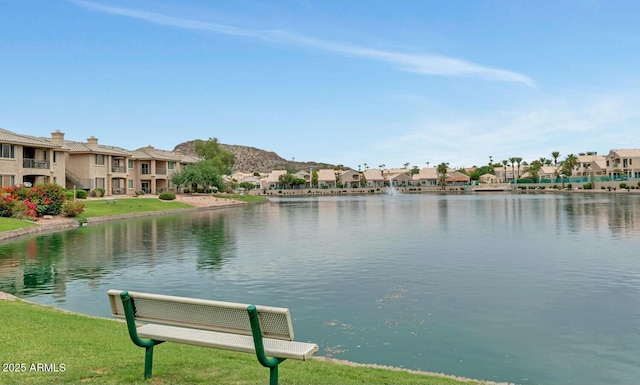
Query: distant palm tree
point(518, 160)
point(505, 163)
point(406, 165)
point(442, 169)
point(555, 155)
point(513, 161)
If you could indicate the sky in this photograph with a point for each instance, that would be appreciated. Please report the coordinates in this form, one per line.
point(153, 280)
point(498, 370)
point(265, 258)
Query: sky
point(351, 82)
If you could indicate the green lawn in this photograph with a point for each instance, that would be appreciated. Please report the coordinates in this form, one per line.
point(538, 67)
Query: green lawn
point(99, 351)
point(7, 224)
point(100, 208)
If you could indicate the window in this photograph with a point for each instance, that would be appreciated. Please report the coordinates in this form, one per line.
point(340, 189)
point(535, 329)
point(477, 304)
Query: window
point(99, 182)
point(171, 165)
point(130, 163)
point(100, 159)
point(7, 180)
point(55, 156)
point(145, 168)
point(130, 183)
point(6, 150)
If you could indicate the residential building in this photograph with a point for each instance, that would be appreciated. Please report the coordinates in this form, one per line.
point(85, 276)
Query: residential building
point(92, 165)
point(427, 176)
point(623, 164)
point(327, 178)
point(349, 178)
point(152, 169)
point(373, 177)
point(30, 160)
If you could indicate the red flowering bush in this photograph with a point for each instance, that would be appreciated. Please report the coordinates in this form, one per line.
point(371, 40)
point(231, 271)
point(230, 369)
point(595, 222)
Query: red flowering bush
point(20, 202)
point(73, 208)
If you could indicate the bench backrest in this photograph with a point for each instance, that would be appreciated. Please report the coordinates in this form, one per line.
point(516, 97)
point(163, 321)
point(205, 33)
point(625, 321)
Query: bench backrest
point(227, 317)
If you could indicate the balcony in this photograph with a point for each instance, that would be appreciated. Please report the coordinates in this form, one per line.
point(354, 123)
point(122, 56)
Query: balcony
point(120, 169)
point(33, 163)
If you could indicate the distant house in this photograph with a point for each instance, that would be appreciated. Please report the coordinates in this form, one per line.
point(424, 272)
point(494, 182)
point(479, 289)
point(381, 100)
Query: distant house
point(272, 179)
point(153, 168)
point(427, 176)
point(373, 178)
point(591, 165)
point(306, 175)
point(327, 178)
point(349, 178)
point(489, 178)
point(456, 178)
point(399, 180)
point(623, 163)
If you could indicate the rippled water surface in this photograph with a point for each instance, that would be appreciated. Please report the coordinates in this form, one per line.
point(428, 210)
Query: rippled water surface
point(532, 289)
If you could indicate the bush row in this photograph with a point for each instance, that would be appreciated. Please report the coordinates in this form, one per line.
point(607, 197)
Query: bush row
point(33, 202)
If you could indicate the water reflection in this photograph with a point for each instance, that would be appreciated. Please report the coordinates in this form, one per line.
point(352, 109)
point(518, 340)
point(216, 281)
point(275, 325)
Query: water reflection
point(500, 287)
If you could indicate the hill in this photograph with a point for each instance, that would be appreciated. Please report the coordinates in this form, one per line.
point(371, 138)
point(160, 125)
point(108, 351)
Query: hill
point(251, 159)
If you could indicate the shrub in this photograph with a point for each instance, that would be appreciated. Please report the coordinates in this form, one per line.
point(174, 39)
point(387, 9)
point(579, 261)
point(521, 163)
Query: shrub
point(81, 194)
point(24, 209)
point(73, 208)
point(68, 195)
point(587, 186)
point(167, 196)
point(7, 203)
point(48, 198)
point(623, 185)
point(100, 191)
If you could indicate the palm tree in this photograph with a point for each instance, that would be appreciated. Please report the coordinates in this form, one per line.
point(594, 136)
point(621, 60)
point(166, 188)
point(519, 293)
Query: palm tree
point(513, 161)
point(555, 156)
point(518, 160)
point(406, 165)
point(505, 163)
point(442, 169)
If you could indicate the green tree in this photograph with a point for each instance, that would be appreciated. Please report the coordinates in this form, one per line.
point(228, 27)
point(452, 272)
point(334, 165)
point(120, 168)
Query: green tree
point(199, 174)
point(442, 170)
point(248, 186)
point(555, 155)
point(289, 180)
point(534, 170)
point(414, 170)
point(217, 157)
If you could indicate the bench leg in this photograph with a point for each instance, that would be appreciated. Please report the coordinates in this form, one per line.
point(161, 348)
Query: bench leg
point(148, 362)
point(273, 375)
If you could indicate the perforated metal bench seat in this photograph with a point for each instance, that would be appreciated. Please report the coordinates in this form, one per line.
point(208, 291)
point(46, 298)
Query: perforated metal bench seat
point(263, 330)
point(240, 343)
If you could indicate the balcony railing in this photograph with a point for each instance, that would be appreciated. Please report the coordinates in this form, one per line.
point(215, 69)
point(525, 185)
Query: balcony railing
point(161, 171)
point(121, 169)
point(33, 163)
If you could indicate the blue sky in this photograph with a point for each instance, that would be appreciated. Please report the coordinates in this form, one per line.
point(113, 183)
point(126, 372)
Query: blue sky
point(339, 81)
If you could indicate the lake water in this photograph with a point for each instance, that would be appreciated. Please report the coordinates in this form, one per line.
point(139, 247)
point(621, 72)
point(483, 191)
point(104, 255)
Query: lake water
point(526, 288)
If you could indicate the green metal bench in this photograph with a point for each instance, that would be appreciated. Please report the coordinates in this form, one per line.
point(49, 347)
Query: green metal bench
point(265, 331)
point(110, 200)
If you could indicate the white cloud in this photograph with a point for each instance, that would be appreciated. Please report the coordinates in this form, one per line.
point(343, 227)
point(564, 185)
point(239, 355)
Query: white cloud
point(427, 64)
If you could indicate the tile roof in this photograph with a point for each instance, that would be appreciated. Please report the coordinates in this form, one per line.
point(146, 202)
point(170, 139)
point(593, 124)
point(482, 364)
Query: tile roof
point(7, 136)
point(150, 152)
point(82, 148)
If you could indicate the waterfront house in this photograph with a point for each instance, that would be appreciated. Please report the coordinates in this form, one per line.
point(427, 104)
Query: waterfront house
point(456, 178)
point(427, 176)
point(152, 169)
point(327, 178)
point(591, 165)
point(349, 178)
point(489, 178)
point(623, 164)
point(30, 160)
point(373, 177)
point(272, 179)
point(399, 179)
point(306, 175)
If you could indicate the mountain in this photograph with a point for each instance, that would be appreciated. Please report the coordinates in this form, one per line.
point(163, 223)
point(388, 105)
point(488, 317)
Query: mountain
point(251, 159)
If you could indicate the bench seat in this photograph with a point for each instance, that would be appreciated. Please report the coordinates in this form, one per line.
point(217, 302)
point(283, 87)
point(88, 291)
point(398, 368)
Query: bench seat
point(227, 341)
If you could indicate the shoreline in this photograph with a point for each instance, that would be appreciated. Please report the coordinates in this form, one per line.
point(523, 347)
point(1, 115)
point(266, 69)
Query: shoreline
point(60, 223)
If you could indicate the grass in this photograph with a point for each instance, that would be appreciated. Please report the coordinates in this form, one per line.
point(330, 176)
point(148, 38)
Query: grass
point(99, 351)
point(99, 208)
point(7, 224)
